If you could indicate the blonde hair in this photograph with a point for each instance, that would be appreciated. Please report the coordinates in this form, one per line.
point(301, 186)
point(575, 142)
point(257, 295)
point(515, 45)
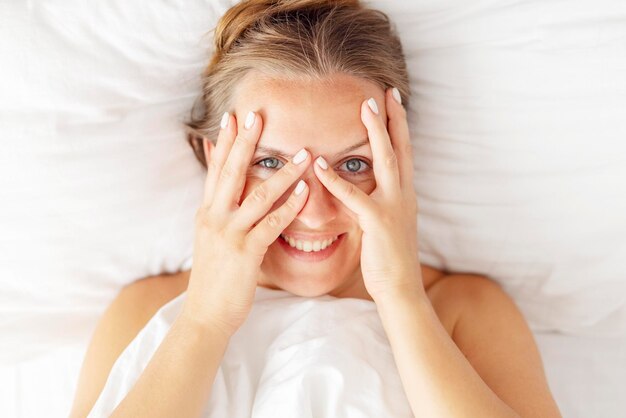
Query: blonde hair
point(292, 39)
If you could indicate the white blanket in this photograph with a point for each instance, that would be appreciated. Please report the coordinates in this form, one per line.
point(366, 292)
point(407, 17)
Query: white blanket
point(293, 357)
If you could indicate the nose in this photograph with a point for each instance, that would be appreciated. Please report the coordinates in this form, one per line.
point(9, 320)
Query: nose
point(321, 207)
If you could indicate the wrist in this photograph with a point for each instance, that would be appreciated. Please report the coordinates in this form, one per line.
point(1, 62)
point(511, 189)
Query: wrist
point(401, 302)
point(410, 293)
point(205, 323)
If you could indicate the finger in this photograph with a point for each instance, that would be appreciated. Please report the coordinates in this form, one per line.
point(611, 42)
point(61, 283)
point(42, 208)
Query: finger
point(270, 227)
point(263, 197)
point(400, 138)
point(232, 176)
point(217, 155)
point(207, 148)
point(385, 162)
point(354, 198)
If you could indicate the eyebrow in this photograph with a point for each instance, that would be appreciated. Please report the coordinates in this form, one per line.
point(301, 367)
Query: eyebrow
point(273, 151)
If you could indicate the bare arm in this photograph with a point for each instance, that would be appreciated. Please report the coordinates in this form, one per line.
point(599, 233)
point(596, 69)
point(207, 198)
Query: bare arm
point(230, 243)
point(131, 309)
point(490, 367)
point(178, 379)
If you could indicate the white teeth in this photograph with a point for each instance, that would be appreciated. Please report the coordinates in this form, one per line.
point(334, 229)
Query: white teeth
point(309, 246)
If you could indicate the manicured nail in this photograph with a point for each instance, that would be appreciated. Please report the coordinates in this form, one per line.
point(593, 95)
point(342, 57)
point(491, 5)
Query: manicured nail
point(249, 121)
point(300, 187)
point(396, 95)
point(225, 118)
point(322, 162)
point(300, 156)
point(372, 104)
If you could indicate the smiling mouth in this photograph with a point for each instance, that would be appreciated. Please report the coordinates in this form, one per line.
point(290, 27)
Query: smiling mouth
point(309, 246)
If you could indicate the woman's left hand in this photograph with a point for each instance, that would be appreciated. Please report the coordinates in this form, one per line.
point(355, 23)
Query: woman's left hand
point(388, 216)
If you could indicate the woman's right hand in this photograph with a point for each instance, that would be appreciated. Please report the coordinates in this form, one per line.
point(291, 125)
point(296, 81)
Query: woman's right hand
point(231, 239)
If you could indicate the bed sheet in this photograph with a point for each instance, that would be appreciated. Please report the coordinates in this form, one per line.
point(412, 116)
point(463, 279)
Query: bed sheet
point(587, 376)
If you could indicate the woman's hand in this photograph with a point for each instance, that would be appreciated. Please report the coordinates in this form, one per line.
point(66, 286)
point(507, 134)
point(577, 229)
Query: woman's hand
point(231, 239)
point(388, 216)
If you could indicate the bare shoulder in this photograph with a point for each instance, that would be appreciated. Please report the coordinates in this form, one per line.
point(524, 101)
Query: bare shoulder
point(449, 292)
point(461, 298)
point(492, 333)
point(154, 292)
point(127, 314)
point(452, 294)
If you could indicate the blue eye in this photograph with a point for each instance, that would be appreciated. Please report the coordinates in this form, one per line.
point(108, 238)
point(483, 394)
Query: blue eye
point(353, 166)
point(356, 166)
point(270, 163)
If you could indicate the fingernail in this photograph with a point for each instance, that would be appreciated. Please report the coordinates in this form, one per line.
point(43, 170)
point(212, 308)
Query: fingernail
point(300, 187)
point(224, 122)
point(249, 121)
point(372, 104)
point(396, 95)
point(322, 162)
point(300, 156)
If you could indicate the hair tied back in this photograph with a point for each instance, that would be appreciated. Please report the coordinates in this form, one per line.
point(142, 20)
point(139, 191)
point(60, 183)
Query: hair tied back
point(247, 13)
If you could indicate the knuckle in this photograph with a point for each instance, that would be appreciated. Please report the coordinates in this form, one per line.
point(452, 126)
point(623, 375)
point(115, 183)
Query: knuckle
point(259, 194)
point(273, 220)
point(240, 141)
point(227, 172)
point(291, 204)
point(391, 161)
point(349, 189)
point(333, 179)
point(289, 170)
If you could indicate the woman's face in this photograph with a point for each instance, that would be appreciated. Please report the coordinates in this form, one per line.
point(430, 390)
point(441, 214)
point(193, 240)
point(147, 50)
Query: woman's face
point(323, 117)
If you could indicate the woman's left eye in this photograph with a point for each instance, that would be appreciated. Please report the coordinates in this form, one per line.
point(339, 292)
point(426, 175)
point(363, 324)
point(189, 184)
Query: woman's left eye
point(355, 166)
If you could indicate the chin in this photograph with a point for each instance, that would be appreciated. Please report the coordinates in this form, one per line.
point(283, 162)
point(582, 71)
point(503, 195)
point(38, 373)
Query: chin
point(305, 287)
point(308, 293)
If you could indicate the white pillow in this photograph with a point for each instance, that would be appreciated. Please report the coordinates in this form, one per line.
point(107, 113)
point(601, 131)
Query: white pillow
point(518, 117)
point(519, 124)
point(99, 186)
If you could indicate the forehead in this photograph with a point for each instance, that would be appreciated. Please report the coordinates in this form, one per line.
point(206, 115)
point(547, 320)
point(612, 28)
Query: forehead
point(321, 115)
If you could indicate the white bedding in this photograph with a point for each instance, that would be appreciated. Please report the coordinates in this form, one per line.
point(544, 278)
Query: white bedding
point(518, 117)
point(587, 375)
point(293, 357)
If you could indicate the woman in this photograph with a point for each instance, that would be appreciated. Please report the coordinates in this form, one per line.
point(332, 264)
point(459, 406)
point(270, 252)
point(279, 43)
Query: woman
point(309, 189)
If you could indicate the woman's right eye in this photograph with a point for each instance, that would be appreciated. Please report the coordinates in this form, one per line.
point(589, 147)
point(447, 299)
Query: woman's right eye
point(270, 163)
